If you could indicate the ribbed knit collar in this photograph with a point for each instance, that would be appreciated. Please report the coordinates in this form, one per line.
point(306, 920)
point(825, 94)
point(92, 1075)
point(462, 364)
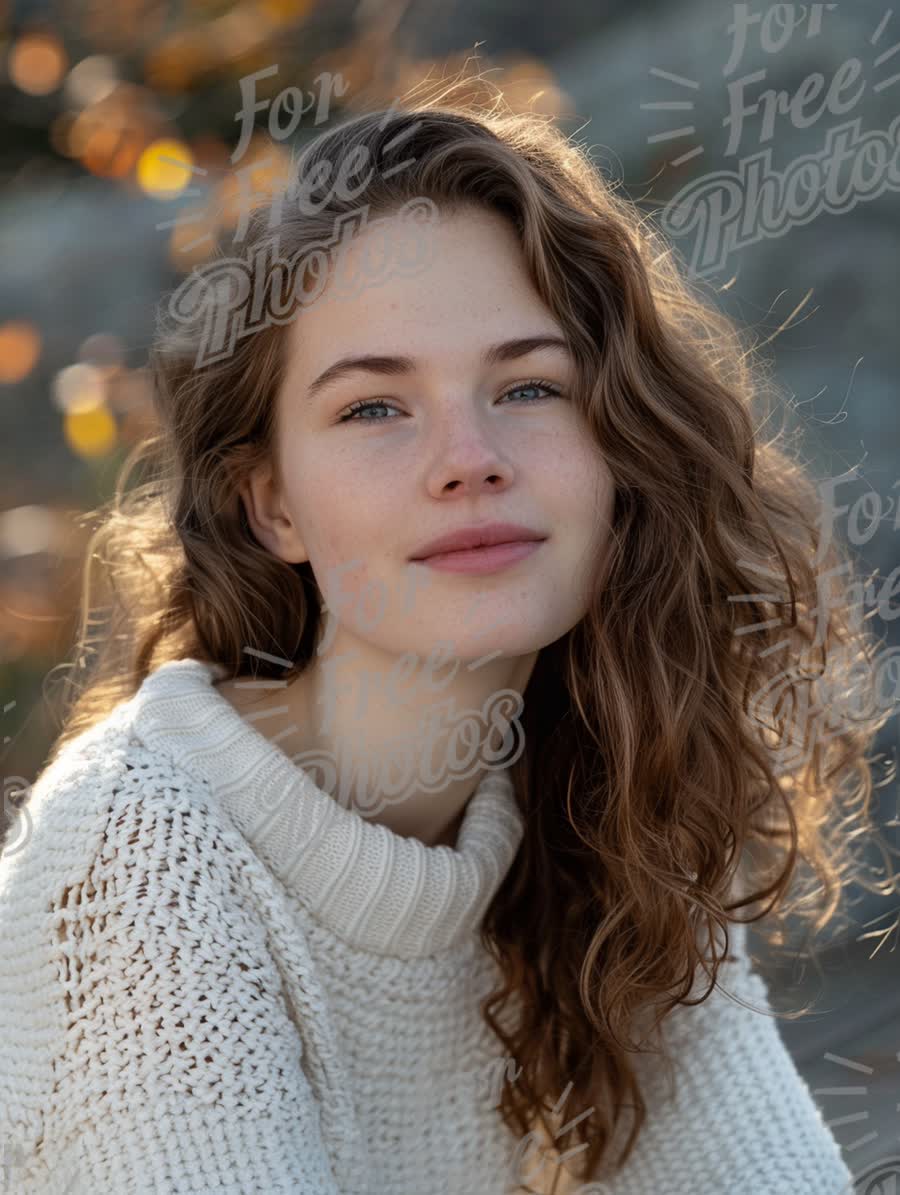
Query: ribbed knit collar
point(374, 888)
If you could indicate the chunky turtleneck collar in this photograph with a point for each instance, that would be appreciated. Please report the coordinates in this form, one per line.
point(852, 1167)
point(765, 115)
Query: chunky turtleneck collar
point(373, 888)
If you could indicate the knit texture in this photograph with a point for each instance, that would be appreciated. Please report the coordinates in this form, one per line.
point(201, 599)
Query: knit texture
point(214, 978)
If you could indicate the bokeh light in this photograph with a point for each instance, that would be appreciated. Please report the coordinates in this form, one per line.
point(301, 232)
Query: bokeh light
point(103, 351)
point(37, 63)
point(176, 61)
point(90, 80)
point(90, 432)
point(118, 28)
point(193, 236)
point(20, 347)
point(285, 11)
point(111, 152)
point(25, 530)
point(264, 173)
point(79, 388)
point(158, 174)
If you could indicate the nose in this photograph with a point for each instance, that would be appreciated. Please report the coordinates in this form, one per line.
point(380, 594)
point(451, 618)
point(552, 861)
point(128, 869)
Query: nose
point(467, 461)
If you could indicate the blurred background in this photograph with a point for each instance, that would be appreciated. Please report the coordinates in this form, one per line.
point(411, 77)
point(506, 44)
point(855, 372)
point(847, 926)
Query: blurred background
point(119, 126)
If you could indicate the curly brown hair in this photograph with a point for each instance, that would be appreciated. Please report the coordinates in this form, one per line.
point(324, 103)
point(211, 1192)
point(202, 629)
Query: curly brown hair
point(648, 780)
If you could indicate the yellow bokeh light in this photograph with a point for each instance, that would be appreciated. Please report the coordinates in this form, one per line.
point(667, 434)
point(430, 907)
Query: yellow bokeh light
point(37, 63)
point(158, 175)
point(90, 432)
point(20, 347)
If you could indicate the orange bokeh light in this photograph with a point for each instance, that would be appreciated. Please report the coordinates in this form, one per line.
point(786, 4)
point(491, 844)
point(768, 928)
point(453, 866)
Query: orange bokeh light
point(20, 347)
point(37, 63)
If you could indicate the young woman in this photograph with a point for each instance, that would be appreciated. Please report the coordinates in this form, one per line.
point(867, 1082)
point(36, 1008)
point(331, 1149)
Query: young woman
point(402, 835)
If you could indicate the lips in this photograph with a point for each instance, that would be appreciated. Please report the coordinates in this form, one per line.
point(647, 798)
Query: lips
point(486, 535)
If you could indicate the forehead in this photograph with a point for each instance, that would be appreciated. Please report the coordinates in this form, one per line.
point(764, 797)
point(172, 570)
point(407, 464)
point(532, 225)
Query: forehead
point(470, 289)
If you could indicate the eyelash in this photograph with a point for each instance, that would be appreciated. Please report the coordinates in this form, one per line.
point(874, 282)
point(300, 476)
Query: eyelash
point(366, 403)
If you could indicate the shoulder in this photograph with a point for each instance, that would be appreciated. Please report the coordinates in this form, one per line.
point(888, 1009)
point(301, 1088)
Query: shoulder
point(117, 853)
point(114, 834)
point(100, 780)
point(62, 813)
point(128, 894)
point(143, 1019)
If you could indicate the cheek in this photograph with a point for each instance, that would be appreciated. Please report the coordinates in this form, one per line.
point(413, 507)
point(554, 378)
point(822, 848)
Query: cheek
point(592, 479)
point(587, 496)
point(341, 557)
point(575, 482)
point(605, 497)
point(345, 520)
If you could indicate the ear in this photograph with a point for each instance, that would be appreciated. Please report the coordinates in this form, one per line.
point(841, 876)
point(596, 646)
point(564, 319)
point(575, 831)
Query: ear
point(269, 520)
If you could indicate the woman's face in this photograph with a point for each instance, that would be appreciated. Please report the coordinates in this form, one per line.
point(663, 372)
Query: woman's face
point(451, 439)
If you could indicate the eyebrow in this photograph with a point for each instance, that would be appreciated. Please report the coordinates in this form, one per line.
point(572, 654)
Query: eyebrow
point(506, 350)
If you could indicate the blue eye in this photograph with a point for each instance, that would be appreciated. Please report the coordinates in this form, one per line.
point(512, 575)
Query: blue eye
point(365, 405)
point(551, 390)
point(368, 404)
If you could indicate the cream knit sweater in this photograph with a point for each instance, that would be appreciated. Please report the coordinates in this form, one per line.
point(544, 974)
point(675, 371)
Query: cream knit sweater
point(192, 1000)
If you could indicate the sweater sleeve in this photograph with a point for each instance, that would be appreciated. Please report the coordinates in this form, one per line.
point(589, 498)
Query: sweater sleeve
point(741, 1119)
point(141, 1014)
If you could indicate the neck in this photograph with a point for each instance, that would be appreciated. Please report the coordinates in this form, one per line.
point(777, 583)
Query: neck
point(409, 743)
